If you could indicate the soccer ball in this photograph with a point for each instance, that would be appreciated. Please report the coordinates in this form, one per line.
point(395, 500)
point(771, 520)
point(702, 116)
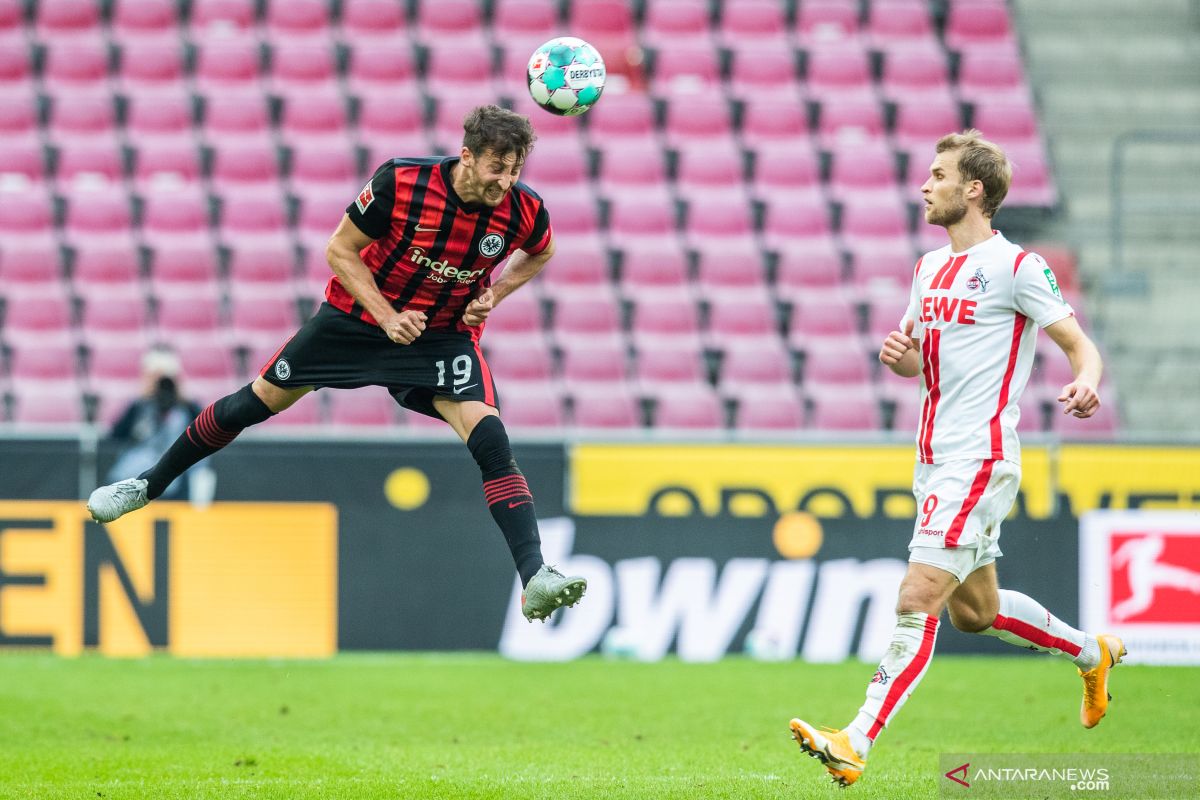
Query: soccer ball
point(566, 76)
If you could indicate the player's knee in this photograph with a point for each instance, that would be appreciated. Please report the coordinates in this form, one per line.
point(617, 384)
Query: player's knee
point(489, 445)
point(968, 619)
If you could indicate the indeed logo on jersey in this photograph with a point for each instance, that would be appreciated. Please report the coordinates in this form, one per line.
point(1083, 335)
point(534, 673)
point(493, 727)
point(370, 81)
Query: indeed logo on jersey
point(948, 309)
point(442, 271)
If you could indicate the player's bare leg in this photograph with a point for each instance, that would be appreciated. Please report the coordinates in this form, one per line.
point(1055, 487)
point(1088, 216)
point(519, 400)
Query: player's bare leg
point(923, 594)
point(511, 505)
point(216, 427)
point(980, 606)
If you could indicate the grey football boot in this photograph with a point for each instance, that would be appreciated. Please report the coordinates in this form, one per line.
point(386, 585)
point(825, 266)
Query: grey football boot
point(548, 591)
point(118, 499)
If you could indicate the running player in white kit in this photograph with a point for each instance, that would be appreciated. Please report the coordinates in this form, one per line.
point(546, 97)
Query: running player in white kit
point(969, 334)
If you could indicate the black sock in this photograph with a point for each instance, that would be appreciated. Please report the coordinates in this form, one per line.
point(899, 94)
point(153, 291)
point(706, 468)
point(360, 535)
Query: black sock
point(216, 427)
point(507, 495)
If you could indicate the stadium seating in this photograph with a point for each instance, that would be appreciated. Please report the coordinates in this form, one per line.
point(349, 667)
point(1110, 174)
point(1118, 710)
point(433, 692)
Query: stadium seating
point(746, 209)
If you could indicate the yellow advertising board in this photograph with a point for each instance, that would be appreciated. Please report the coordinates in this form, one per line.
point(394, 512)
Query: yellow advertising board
point(861, 481)
point(231, 580)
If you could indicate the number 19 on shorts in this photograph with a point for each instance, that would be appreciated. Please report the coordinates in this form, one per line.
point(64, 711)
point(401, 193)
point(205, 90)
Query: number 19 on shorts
point(460, 366)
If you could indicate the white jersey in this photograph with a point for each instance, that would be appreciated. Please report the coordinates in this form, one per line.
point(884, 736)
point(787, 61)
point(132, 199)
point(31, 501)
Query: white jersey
point(972, 312)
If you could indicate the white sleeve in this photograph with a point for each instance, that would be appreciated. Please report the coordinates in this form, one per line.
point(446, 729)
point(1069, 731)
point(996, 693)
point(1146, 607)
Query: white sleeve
point(1036, 293)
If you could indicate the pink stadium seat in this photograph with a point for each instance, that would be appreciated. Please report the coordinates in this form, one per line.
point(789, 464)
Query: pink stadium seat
point(821, 21)
point(30, 261)
point(532, 406)
point(708, 166)
point(686, 69)
point(222, 14)
point(106, 263)
point(313, 112)
point(324, 161)
point(11, 13)
point(641, 214)
point(1033, 184)
point(774, 120)
point(166, 112)
point(743, 316)
point(918, 126)
point(42, 406)
point(899, 22)
point(16, 61)
point(621, 116)
point(32, 362)
point(556, 162)
point(572, 210)
point(43, 318)
point(991, 74)
point(882, 216)
point(75, 64)
point(189, 318)
point(883, 315)
point(830, 363)
point(22, 155)
point(672, 24)
point(451, 109)
point(753, 21)
point(816, 264)
point(654, 266)
point(439, 20)
point(519, 314)
point(883, 270)
point(838, 70)
point(862, 169)
point(536, 19)
point(167, 161)
point(94, 212)
point(849, 120)
point(586, 361)
point(372, 68)
point(602, 19)
point(668, 365)
point(115, 319)
point(25, 209)
point(1007, 122)
point(262, 319)
point(630, 163)
point(795, 217)
point(851, 410)
point(579, 261)
point(151, 64)
point(717, 218)
point(245, 160)
point(699, 409)
point(665, 318)
point(785, 168)
point(372, 19)
point(173, 210)
point(519, 358)
point(260, 264)
point(760, 69)
point(115, 362)
point(56, 17)
point(730, 267)
point(256, 211)
point(306, 412)
point(691, 118)
point(456, 69)
point(223, 63)
point(780, 413)
point(18, 110)
point(397, 113)
point(821, 317)
point(605, 408)
point(242, 112)
point(915, 72)
point(207, 362)
point(971, 25)
point(298, 65)
point(135, 19)
point(297, 17)
point(749, 368)
point(362, 408)
point(592, 314)
point(321, 211)
point(96, 159)
point(80, 113)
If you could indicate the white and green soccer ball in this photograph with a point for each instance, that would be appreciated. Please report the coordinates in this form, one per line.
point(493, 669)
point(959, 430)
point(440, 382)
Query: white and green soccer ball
point(566, 76)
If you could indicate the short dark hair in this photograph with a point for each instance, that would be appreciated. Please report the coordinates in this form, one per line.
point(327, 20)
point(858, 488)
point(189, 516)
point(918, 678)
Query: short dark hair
point(499, 130)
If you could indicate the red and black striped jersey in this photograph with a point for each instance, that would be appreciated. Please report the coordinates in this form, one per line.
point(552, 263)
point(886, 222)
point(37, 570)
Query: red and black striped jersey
point(433, 252)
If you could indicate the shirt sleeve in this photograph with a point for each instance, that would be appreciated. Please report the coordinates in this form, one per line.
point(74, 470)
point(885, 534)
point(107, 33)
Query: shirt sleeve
point(540, 237)
point(1036, 293)
point(371, 211)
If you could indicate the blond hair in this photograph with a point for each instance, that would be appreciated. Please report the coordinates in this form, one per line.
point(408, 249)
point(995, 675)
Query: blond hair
point(981, 160)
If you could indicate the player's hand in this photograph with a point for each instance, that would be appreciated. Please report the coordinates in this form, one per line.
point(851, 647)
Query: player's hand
point(1080, 398)
point(897, 344)
point(479, 308)
point(405, 327)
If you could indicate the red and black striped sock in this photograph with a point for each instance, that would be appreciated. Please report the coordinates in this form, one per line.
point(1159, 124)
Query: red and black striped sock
point(507, 494)
point(215, 427)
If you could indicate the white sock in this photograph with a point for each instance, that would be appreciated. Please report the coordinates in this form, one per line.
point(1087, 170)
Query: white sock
point(902, 668)
point(1023, 621)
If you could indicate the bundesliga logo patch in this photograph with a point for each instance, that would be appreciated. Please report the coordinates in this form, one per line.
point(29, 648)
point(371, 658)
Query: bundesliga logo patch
point(364, 199)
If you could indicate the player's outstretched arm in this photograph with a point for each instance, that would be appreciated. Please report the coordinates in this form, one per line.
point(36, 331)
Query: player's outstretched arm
point(342, 254)
point(900, 352)
point(1079, 396)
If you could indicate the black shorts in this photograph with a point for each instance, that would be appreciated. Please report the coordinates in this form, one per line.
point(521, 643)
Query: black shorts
point(335, 350)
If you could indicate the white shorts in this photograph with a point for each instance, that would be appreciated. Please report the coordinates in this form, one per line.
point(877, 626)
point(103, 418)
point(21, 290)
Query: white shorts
point(960, 506)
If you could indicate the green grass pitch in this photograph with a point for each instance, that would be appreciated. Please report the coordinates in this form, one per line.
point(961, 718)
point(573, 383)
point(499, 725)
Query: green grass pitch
point(476, 726)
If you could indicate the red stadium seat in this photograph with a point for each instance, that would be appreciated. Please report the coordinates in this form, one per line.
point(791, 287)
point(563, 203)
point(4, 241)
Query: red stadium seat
point(759, 70)
point(780, 413)
point(456, 69)
point(94, 160)
point(166, 162)
point(585, 361)
point(169, 209)
point(906, 407)
point(321, 211)
point(32, 362)
point(114, 319)
point(699, 409)
point(222, 14)
point(1007, 122)
point(785, 168)
point(605, 408)
point(41, 318)
point(918, 126)
point(30, 262)
point(821, 21)
point(884, 313)
point(1104, 424)
point(399, 113)
point(324, 161)
point(366, 407)
point(115, 362)
point(879, 216)
point(314, 113)
point(1033, 184)
point(572, 211)
point(854, 409)
point(11, 13)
